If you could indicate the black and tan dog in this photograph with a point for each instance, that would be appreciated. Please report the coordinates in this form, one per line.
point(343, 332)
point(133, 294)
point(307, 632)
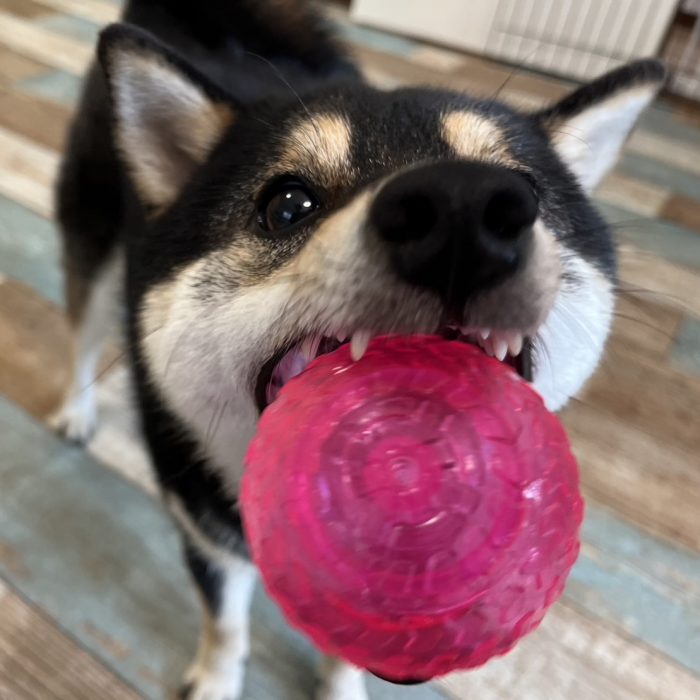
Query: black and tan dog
point(232, 178)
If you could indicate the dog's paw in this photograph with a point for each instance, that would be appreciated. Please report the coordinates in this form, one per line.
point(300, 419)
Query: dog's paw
point(341, 682)
point(203, 684)
point(356, 691)
point(76, 419)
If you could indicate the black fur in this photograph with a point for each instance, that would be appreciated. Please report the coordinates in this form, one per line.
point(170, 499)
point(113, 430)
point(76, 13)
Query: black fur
point(207, 576)
point(640, 73)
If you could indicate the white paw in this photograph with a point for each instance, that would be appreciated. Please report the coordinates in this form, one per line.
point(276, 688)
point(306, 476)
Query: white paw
point(223, 684)
point(76, 419)
point(355, 692)
point(340, 681)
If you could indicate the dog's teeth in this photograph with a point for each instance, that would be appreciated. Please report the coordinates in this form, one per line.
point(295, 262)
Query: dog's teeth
point(487, 345)
point(515, 343)
point(358, 344)
point(465, 330)
point(484, 333)
point(341, 336)
point(500, 348)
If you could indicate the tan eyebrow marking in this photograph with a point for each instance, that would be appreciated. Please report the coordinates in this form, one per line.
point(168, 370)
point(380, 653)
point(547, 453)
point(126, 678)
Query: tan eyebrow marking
point(320, 146)
point(475, 137)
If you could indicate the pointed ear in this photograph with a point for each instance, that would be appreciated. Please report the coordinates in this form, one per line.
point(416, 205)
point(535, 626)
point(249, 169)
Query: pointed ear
point(167, 118)
point(589, 127)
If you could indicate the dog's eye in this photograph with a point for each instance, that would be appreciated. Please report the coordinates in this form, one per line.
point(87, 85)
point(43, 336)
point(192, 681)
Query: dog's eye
point(285, 204)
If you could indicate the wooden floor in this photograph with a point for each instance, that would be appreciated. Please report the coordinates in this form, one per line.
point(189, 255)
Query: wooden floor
point(94, 603)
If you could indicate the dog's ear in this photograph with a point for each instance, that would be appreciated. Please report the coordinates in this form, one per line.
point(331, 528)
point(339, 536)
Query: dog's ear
point(589, 127)
point(167, 117)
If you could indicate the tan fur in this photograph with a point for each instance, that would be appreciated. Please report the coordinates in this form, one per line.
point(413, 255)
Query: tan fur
point(159, 300)
point(166, 124)
point(319, 147)
point(475, 137)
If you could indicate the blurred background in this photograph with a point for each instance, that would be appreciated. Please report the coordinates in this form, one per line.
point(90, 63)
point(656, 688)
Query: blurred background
point(94, 602)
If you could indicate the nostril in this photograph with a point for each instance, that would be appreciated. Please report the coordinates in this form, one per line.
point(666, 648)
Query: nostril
point(508, 212)
point(410, 217)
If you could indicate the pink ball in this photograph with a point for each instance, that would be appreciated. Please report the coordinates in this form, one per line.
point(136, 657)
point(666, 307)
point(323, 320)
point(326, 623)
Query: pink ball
point(415, 512)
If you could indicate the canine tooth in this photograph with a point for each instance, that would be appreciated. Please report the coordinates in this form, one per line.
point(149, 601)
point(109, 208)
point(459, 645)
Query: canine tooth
point(484, 333)
point(341, 336)
point(500, 348)
point(358, 344)
point(487, 345)
point(515, 343)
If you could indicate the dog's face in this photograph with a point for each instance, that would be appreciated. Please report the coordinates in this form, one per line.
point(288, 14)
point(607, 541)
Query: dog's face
point(281, 230)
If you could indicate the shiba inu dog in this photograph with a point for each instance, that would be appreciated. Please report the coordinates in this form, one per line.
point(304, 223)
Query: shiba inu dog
point(233, 182)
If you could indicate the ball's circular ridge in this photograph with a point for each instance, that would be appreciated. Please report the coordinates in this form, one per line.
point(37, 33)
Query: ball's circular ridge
point(415, 512)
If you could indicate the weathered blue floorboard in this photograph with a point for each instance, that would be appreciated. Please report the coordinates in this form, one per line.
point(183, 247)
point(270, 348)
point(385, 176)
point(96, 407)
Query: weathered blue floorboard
point(103, 559)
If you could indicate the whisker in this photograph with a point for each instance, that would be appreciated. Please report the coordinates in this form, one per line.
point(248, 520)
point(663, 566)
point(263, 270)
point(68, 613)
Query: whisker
point(105, 370)
point(280, 75)
point(644, 323)
point(517, 68)
point(629, 292)
point(215, 422)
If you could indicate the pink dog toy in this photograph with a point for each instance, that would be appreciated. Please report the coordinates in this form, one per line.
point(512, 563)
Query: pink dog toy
point(415, 512)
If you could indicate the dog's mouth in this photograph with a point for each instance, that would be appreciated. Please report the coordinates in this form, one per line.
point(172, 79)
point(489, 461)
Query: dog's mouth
point(510, 347)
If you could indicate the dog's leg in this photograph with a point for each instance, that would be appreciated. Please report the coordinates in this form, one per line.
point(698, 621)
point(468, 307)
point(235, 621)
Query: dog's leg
point(93, 311)
point(340, 681)
point(226, 586)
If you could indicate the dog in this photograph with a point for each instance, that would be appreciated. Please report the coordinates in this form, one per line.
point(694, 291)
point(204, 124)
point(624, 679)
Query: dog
point(233, 183)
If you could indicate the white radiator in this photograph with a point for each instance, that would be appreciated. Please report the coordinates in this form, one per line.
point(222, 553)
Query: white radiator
point(573, 38)
point(682, 52)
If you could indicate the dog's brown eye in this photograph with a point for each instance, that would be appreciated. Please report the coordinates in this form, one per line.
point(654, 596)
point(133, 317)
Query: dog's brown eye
point(286, 204)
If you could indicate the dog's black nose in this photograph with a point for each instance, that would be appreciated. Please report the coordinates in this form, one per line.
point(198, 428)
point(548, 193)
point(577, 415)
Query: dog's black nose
point(456, 227)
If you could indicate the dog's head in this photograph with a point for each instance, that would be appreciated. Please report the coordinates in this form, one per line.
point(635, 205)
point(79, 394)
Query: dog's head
point(281, 229)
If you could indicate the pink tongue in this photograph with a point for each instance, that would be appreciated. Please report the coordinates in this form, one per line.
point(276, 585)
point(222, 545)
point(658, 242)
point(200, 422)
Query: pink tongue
point(289, 366)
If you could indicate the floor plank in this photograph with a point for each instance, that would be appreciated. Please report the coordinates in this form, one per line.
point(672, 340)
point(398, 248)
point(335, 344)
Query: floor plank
point(15, 67)
point(634, 390)
point(71, 27)
point(93, 10)
point(669, 241)
point(573, 656)
point(637, 196)
point(54, 85)
point(678, 154)
point(647, 587)
point(43, 45)
point(30, 249)
point(645, 327)
point(27, 172)
point(653, 483)
point(42, 121)
point(103, 559)
point(686, 351)
point(34, 349)
point(648, 276)
point(25, 8)
point(37, 660)
point(683, 210)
